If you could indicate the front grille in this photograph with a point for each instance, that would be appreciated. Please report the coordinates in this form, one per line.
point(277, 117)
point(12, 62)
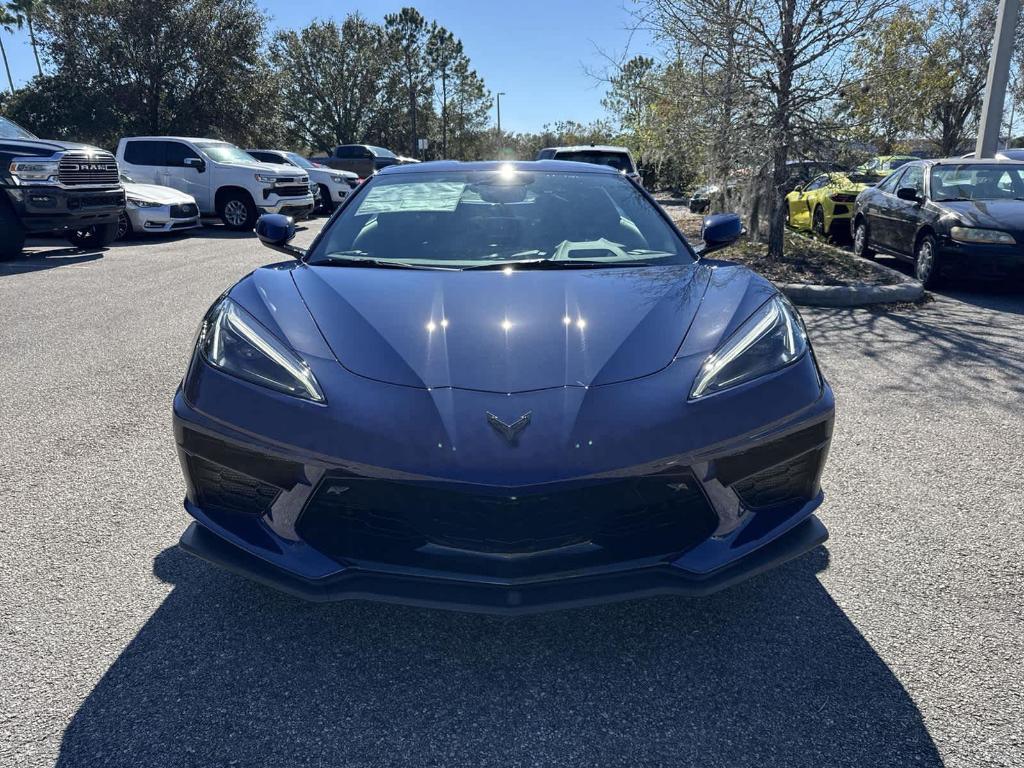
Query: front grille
point(375, 523)
point(95, 201)
point(295, 190)
point(793, 480)
point(221, 489)
point(184, 210)
point(85, 169)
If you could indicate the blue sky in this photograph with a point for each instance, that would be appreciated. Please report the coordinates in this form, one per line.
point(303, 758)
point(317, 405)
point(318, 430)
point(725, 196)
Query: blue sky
point(536, 51)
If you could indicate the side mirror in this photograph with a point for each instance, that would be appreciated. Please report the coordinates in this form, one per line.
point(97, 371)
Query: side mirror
point(276, 231)
point(908, 193)
point(720, 231)
point(196, 162)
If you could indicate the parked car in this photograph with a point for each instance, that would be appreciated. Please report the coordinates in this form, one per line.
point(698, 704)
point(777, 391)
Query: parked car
point(58, 187)
point(618, 158)
point(153, 208)
point(700, 198)
point(502, 387)
point(224, 180)
point(799, 172)
point(331, 185)
point(947, 216)
point(361, 159)
point(824, 205)
point(883, 165)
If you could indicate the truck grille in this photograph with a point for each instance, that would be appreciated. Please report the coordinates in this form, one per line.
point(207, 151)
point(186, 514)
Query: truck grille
point(84, 169)
point(296, 190)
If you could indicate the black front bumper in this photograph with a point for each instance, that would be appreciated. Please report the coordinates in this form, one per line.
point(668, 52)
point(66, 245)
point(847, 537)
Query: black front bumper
point(982, 262)
point(53, 209)
point(483, 597)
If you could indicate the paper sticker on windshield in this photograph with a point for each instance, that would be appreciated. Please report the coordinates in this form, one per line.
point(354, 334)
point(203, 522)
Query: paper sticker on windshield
point(442, 196)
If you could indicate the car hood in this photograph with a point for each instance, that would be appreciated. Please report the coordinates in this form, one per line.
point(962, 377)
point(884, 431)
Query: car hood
point(990, 214)
point(488, 331)
point(154, 193)
point(325, 174)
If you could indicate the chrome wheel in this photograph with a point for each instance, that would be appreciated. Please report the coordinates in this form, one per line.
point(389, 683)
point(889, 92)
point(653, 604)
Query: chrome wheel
point(235, 213)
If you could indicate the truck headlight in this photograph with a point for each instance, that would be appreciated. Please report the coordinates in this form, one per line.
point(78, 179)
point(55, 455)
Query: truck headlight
point(233, 340)
point(769, 340)
point(976, 235)
point(264, 178)
point(338, 179)
point(33, 170)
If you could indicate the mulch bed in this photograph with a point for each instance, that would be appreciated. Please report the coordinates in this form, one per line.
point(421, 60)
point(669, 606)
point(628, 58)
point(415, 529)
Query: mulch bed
point(806, 260)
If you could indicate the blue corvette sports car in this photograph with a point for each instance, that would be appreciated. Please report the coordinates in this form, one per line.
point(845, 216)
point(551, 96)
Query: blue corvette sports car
point(501, 387)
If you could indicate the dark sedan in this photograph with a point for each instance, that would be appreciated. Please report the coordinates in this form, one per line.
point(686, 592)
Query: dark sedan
point(952, 216)
point(502, 387)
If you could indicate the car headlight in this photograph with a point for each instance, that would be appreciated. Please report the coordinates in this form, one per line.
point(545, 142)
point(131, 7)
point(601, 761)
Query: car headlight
point(975, 235)
point(264, 178)
point(769, 340)
point(233, 340)
point(142, 203)
point(338, 179)
point(33, 170)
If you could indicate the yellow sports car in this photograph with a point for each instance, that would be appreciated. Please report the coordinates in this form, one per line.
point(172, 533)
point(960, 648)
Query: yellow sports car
point(825, 203)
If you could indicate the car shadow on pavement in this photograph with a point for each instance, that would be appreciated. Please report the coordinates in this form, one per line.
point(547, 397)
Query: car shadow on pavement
point(768, 673)
point(37, 260)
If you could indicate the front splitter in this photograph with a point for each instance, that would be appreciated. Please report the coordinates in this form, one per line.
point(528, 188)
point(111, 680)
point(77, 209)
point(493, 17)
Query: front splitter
point(486, 597)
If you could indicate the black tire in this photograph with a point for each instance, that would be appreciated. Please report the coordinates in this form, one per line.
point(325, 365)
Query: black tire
point(13, 240)
point(237, 211)
point(818, 222)
point(96, 236)
point(326, 203)
point(861, 243)
point(926, 262)
point(124, 227)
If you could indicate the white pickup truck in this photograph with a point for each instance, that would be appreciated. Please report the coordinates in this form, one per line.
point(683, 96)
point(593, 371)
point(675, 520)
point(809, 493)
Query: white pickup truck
point(224, 180)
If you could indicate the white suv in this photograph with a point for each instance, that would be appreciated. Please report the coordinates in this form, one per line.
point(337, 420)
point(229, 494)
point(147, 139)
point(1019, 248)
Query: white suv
point(224, 180)
point(334, 186)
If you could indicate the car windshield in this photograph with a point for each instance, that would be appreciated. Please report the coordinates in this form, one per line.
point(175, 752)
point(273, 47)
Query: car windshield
point(494, 217)
point(299, 160)
point(9, 130)
point(381, 152)
point(617, 160)
point(220, 152)
point(972, 181)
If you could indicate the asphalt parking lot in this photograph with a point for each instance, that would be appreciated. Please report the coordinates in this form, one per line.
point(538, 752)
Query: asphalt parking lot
point(899, 643)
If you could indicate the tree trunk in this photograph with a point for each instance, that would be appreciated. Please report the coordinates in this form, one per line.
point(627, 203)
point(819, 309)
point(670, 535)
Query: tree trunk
point(10, 80)
point(32, 39)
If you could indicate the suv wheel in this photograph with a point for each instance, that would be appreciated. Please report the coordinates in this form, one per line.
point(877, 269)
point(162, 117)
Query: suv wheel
point(326, 203)
point(237, 211)
point(926, 262)
point(14, 234)
point(96, 236)
point(860, 241)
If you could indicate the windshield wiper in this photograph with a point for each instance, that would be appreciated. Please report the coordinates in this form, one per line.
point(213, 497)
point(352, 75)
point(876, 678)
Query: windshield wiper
point(558, 264)
point(339, 260)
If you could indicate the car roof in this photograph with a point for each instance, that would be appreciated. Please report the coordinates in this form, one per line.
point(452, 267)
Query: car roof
point(971, 161)
point(562, 166)
point(590, 148)
point(193, 139)
point(275, 151)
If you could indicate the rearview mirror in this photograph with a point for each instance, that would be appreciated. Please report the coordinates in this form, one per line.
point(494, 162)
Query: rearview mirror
point(276, 231)
point(908, 193)
point(196, 162)
point(720, 231)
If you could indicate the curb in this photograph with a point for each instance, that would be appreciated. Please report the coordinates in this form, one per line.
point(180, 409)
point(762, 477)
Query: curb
point(905, 289)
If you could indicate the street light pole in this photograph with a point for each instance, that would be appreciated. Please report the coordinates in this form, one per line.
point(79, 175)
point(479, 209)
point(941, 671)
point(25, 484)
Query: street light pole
point(502, 93)
point(998, 74)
